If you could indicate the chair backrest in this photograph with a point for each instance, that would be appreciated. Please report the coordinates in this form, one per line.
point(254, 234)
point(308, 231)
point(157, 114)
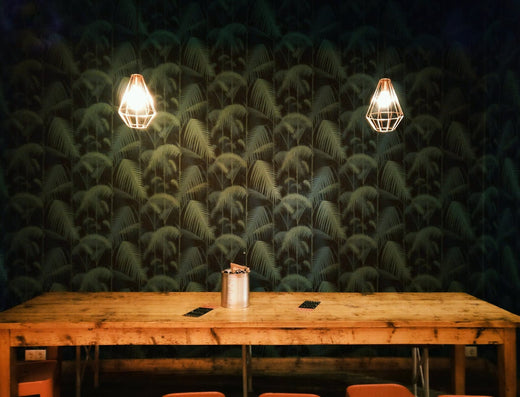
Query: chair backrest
point(378, 390)
point(288, 395)
point(196, 394)
point(36, 377)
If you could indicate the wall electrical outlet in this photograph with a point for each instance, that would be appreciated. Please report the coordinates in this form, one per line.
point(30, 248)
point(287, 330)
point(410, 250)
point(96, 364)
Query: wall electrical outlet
point(35, 354)
point(470, 351)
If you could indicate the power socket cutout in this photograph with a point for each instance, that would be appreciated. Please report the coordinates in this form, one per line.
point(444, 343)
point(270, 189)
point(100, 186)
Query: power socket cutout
point(470, 351)
point(35, 354)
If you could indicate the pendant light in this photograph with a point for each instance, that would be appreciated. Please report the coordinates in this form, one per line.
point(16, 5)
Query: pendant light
point(384, 113)
point(137, 108)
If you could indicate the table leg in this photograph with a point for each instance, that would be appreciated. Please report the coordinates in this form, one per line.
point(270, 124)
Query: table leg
point(246, 370)
point(8, 386)
point(459, 370)
point(507, 365)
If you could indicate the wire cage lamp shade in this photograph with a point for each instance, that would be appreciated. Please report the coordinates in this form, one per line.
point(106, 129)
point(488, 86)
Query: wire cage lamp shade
point(384, 113)
point(137, 108)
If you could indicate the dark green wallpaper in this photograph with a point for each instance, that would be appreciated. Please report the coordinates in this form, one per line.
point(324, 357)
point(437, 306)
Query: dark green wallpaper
point(260, 152)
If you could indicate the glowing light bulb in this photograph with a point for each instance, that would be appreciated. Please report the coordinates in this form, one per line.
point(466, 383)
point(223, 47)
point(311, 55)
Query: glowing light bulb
point(136, 98)
point(384, 99)
point(384, 113)
point(137, 108)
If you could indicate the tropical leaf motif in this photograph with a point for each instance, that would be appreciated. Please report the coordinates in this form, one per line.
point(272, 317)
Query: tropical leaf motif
point(259, 225)
point(324, 185)
point(360, 280)
point(162, 241)
point(425, 283)
point(293, 124)
point(424, 205)
point(163, 124)
point(262, 180)
point(94, 82)
point(228, 119)
point(128, 260)
point(25, 122)
point(162, 205)
point(393, 181)
point(263, 100)
point(195, 138)
point(95, 280)
point(94, 246)
point(56, 182)
point(124, 225)
point(229, 198)
point(95, 198)
point(360, 200)
point(191, 258)
point(425, 126)
point(128, 179)
point(24, 287)
point(328, 220)
point(393, 260)
point(426, 162)
point(192, 103)
point(359, 245)
point(228, 83)
point(425, 241)
point(28, 240)
point(389, 225)
point(56, 99)
point(259, 144)
point(24, 158)
point(161, 283)
point(294, 79)
point(228, 245)
point(328, 140)
point(295, 161)
point(328, 59)
point(94, 163)
point(196, 220)
point(293, 205)
point(60, 219)
point(229, 165)
point(359, 164)
point(56, 266)
point(262, 260)
point(459, 141)
point(325, 105)
point(192, 184)
point(60, 137)
point(265, 17)
point(294, 241)
point(25, 204)
point(294, 283)
point(196, 57)
point(458, 220)
point(322, 261)
point(161, 159)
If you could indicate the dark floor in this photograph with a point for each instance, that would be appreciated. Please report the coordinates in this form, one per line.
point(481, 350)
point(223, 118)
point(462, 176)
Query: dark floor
point(156, 385)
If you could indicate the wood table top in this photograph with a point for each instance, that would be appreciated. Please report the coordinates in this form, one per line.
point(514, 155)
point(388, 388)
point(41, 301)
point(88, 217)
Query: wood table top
point(266, 309)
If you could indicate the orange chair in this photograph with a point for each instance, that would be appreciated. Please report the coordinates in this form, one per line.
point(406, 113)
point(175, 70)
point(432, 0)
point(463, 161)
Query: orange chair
point(36, 377)
point(288, 395)
point(378, 390)
point(196, 394)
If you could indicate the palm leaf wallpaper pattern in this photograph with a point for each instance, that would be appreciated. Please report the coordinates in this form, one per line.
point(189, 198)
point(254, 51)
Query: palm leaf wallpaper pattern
point(260, 152)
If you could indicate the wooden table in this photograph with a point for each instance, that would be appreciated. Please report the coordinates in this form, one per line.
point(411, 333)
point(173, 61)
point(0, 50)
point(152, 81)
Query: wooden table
point(117, 318)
